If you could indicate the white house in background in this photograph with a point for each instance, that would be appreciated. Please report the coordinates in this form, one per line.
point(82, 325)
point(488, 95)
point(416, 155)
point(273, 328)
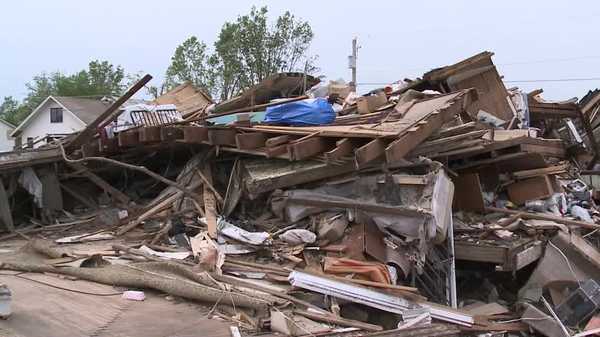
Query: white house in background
point(56, 117)
point(6, 141)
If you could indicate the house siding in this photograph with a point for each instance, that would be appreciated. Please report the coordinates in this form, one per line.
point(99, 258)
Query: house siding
point(40, 126)
point(6, 141)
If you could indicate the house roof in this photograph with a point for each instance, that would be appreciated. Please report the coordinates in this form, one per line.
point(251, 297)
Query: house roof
point(85, 109)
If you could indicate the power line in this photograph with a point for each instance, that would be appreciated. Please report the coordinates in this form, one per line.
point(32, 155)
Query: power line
point(511, 81)
point(576, 58)
point(565, 59)
point(557, 80)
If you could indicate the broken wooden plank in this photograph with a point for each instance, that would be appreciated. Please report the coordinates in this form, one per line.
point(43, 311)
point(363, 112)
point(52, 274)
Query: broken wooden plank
point(307, 148)
point(557, 169)
point(208, 183)
point(251, 140)
point(278, 140)
point(210, 207)
point(343, 147)
point(264, 176)
point(409, 179)
point(369, 152)
point(399, 148)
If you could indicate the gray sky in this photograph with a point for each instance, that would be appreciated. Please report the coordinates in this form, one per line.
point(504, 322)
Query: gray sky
point(533, 40)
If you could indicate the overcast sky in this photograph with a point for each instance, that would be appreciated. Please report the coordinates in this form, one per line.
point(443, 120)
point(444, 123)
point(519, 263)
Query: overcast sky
point(532, 40)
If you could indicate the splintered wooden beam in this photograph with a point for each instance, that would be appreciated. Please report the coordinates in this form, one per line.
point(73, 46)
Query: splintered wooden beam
point(210, 207)
point(307, 148)
point(248, 141)
point(275, 141)
point(369, 152)
point(343, 147)
point(107, 116)
point(399, 148)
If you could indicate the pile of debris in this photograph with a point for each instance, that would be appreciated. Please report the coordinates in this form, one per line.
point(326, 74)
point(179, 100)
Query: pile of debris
point(445, 205)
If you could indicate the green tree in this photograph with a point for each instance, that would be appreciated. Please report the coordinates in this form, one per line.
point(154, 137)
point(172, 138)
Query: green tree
point(12, 111)
point(189, 63)
point(101, 78)
point(246, 52)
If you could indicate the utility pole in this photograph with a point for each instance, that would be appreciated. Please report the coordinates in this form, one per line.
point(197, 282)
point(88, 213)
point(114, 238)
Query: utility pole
point(352, 63)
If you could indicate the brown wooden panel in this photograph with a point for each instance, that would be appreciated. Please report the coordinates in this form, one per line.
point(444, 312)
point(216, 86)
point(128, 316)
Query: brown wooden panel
point(170, 133)
point(250, 140)
point(128, 138)
point(195, 134)
point(150, 134)
point(530, 189)
point(369, 152)
point(467, 193)
point(309, 147)
point(222, 137)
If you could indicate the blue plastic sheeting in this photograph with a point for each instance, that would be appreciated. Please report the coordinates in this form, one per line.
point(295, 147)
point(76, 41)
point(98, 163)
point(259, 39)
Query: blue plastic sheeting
point(305, 112)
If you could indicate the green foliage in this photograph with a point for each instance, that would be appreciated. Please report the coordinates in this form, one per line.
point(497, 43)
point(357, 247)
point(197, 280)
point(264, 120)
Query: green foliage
point(189, 63)
point(12, 111)
point(246, 51)
point(100, 79)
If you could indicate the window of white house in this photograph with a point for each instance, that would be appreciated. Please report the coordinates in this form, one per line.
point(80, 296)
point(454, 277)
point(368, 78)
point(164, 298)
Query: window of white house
point(56, 115)
point(30, 142)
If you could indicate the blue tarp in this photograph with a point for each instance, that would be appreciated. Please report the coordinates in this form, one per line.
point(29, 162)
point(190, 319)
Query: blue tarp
point(315, 111)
